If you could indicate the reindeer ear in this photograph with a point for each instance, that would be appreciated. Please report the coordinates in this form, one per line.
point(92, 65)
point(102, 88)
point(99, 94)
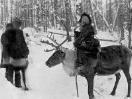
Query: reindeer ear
point(63, 55)
point(58, 49)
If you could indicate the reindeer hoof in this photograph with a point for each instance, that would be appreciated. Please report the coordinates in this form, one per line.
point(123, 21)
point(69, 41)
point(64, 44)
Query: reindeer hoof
point(127, 98)
point(112, 93)
point(26, 89)
point(92, 97)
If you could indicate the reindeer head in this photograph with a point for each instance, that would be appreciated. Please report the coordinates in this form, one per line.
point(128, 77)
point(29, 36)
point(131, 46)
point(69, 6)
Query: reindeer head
point(59, 55)
point(56, 58)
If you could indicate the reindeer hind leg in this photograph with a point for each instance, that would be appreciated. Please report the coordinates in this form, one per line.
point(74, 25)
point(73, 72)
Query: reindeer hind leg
point(118, 76)
point(128, 77)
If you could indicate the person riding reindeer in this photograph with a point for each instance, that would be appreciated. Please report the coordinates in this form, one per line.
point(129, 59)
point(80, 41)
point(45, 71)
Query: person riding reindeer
point(87, 47)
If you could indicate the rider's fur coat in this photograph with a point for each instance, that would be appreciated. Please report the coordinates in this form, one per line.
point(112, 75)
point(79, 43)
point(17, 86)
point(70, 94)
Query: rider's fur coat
point(87, 46)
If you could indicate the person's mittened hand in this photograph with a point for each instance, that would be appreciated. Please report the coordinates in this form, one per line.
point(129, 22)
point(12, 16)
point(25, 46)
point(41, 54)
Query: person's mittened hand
point(75, 44)
point(83, 44)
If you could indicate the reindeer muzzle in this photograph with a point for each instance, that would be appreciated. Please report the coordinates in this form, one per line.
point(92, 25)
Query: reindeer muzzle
point(48, 64)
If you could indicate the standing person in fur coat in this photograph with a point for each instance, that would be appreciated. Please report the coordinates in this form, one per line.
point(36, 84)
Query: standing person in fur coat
point(17, 50)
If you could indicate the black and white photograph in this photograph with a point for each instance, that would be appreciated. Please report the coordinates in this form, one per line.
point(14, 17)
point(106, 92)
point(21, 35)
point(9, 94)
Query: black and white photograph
point(65, 49)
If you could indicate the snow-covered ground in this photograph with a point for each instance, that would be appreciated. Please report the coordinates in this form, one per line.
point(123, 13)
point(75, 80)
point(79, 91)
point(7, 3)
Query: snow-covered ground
point(54, 83)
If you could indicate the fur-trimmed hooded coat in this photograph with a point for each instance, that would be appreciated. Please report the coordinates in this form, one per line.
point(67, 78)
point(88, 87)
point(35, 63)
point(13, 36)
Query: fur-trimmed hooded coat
point(14, 43)
point(86, 43)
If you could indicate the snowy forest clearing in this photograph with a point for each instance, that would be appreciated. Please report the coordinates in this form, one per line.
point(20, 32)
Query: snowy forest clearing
point(46, 83)
point(111, 20)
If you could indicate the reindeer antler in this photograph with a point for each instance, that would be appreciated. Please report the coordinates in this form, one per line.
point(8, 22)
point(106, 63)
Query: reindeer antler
point(67, 31)
point(51, 44)
point(47, 42)
point(53, 40)
point(49, 50)
point(68, 38)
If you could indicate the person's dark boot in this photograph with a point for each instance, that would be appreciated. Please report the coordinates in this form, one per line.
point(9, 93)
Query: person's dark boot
point(17, 79)
point(9, 73)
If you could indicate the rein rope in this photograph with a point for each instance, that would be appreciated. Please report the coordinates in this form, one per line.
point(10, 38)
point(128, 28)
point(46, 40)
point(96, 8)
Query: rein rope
point(76, 86)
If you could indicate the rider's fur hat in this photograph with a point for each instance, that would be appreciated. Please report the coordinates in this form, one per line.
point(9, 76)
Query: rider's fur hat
point(87, 15)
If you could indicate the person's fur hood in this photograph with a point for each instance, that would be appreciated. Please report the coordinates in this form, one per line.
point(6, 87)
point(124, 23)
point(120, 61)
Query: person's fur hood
point(87, 15)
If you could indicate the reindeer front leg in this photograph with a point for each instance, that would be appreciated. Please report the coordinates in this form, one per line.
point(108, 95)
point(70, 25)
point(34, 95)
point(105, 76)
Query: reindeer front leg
point(90, 81)
point(88, 71)
point(89, 74)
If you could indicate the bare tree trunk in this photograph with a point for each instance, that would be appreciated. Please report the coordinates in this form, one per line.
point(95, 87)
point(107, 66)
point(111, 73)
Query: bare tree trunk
point(11, 1)
point(114, 22)
point(110, 13)
point(93, 17)
point(67, 15)
point(130, 24)
point(103, 16)
point(55, 8)
point(86, 6)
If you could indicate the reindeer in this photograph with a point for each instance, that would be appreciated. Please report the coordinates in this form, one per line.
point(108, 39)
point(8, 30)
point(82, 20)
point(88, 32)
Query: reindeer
point(111, 60)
